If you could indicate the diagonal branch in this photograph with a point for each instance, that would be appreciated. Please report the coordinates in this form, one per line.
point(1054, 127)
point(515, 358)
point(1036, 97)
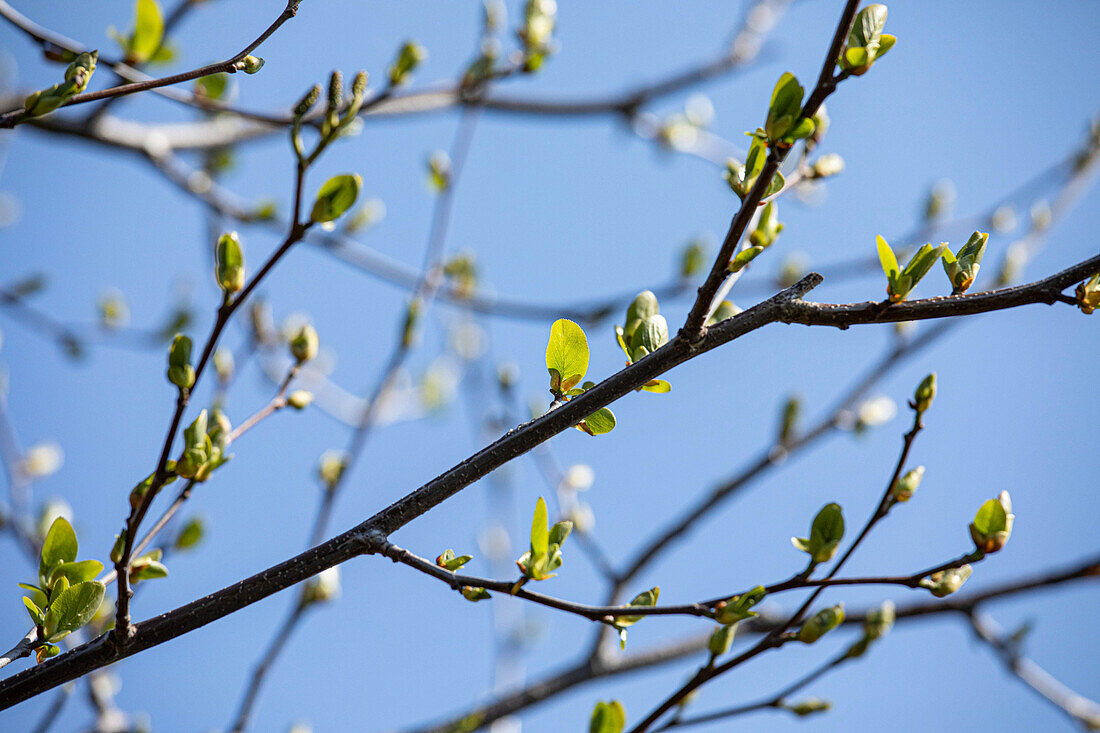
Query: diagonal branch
point(365, 538)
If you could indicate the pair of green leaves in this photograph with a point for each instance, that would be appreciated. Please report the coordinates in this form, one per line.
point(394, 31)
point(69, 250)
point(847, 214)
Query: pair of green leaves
point(646, 330)
point(738, 608)
point(567, 362)
point(963, 267)
point(143, 45)
point(900, 281)
point(607, 717)
point(544, 557)
point(742, 178)
point(645, 599)
point(203, 447)
point(785, 123)
point(866, 42)
point(826, 532)
point(449, 561)
point(67, 595)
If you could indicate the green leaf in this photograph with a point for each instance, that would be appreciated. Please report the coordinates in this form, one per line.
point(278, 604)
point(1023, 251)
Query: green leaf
point(885, 43)
point(599, 422)
point(825, 534)
point(607, 717)
point(922, 262)
point(657, 386)
point(35, 612)
point(147, 570)
point(566, 354)
point(213, 86)
point(991, 518)
point(540, 536)
point(77, 605)
point(646, 599)
point(148, 31)
point(887, 259)
point(190, 535)
point(721, 639)
point(59, 546)
point(785, 106)
point(335, 197)
point(473, 594)
point(77, 572)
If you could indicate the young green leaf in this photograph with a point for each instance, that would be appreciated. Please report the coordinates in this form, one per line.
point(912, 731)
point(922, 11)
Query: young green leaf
point(887, 258)
point(721, 640)
point(147, 34)
point(59, 547)
point(190, 535)
point(566, 356)
point(599, 422)
point(738, 607)
point(783, 125)
point(825, 534)
point(646, 599)
point(337, 195)
point(473, 594)
point(607, 717)
point(75, 607)
point(540, 536)
point(36, 613)
point(77, 572)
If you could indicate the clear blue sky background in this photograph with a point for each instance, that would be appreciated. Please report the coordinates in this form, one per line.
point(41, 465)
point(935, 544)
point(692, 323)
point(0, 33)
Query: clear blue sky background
point(985, 93)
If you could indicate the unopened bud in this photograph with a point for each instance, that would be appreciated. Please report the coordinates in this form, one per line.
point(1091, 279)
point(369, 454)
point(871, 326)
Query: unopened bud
point(304, 344)
point(926, 392)
point(299, 399)
point(946, 582)
point(992, 525)
point(821, 623)
point(251, 64)
point(229, 263)
point(904, 488)
point(180, 371)
point(809, 706)
point(331, 468)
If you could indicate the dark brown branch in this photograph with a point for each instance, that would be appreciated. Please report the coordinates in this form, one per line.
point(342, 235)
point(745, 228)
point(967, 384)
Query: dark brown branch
point(363, 538)
point(556, 682)
point(694, 327)
point(229, 66)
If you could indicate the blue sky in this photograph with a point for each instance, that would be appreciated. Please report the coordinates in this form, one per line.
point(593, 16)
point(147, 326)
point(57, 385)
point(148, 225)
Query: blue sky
point(985, 94)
